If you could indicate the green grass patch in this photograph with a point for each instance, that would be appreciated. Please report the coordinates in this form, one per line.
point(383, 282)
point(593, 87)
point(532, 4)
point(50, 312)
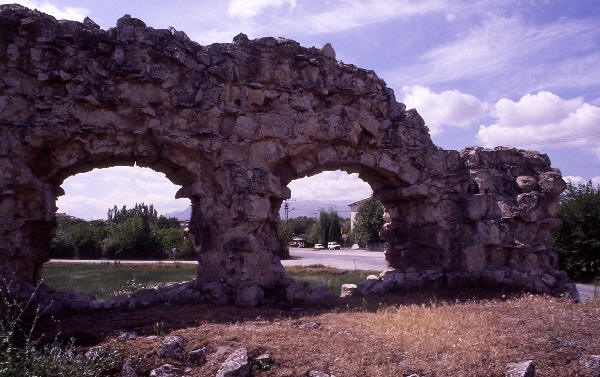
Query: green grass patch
point(111, 279)
point(332, 278)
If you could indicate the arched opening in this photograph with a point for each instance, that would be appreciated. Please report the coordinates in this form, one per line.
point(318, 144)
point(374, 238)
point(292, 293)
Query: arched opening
point(319, 225)
point(110, 216)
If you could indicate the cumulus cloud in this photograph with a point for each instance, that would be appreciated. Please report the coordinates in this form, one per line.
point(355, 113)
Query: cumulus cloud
point(61, 13)
point(448, 108)
point(543, 119)
point(251, 8)
point(330, 185)
point(89, 195)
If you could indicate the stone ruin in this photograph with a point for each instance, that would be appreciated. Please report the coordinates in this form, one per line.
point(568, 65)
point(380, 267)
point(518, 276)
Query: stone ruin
point(234, 124)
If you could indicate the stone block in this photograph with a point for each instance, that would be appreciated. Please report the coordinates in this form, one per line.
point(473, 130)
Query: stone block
point(236, 365)
point(250, 296)
point(475, 258)
point(172, 347)
point(526, 183)
point(590, 365)
point(348, 290)
point(522, 369)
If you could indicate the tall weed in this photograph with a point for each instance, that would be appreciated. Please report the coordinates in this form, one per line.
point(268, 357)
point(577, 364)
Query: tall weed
point(23, 355)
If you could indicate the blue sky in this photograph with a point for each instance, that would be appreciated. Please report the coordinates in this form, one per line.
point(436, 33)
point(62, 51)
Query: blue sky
point(513, 73)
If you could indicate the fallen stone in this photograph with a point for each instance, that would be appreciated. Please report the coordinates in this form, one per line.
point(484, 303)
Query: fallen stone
point(263, 362)
point(308, 325)
point(316, 373)
point(166, 370)
point(171, 347)
point(197, 357)
point(236, 365)
point(348, 290)
point(128, 369)
point(522, 369)
point(94, 353)
point(127, 335)
point(590, 365)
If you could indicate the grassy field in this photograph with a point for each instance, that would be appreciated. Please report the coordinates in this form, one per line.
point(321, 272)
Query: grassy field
point(109, 279)
point(467, 333)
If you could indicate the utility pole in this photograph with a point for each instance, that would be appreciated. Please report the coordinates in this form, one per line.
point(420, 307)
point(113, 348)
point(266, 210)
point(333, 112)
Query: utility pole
point(287, 210)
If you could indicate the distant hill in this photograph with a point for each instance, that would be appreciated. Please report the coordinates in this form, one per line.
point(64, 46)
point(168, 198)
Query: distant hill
point(182, 215)
point(309, 208)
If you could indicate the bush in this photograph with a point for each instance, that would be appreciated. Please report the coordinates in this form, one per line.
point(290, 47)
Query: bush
point(23, 356)
point(578, 239)
point(368, 222)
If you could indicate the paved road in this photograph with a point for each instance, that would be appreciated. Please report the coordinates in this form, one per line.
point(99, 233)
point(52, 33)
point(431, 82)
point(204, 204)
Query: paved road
point(343, 259)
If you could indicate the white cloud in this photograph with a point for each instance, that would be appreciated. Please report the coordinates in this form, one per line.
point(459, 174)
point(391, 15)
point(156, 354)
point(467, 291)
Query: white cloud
point(448, 108)
point(251, 8)
point(330, 185)
point(89, 195)
point(512, 54)
point(543, 119)
point(576, 180)
point(358, 13)
point(61, 13)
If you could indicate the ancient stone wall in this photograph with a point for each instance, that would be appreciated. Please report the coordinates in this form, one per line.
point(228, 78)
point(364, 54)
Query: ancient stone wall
point(234, 124)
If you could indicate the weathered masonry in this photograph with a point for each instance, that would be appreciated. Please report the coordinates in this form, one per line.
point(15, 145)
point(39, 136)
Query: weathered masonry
point(233, 124)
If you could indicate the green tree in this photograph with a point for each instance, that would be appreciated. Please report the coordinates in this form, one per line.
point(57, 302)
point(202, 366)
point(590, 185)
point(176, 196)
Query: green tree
point(284, 235)
point(578, 239)
point(368, 222)
point(173, 238)
point(77, 238)
point(301, 225)
point(327, 228)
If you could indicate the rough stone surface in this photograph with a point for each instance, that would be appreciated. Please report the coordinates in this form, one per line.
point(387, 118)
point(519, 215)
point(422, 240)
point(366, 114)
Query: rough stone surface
point(166, 370)
point(234, 124)
point(316, 373)
point(128, 369)
point(236, 365)
point(94, 353)
point(197, 357)
point(171, 347)
point(522, 369)
point(590, 365)
point(348, 290)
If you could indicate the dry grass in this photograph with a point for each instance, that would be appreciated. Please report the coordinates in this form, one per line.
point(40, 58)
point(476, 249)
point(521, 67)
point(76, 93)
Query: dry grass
point(442, 337)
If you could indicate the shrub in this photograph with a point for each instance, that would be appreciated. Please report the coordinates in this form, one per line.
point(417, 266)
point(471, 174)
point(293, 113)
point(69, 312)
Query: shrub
point(21, 355)
point(578, 239)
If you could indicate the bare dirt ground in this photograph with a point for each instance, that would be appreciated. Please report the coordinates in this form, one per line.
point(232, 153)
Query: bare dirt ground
point(428, 333)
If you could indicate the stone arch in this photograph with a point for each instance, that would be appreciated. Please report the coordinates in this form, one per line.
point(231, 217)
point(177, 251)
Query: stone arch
point(234, 124)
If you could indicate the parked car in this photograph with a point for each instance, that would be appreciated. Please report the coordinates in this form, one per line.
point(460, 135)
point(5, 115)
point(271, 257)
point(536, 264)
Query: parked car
point(319, 246)
point(334, 246)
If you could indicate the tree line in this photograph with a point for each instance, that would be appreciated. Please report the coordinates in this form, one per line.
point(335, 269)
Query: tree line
point(330, 227)
point(578, 239)
point(135, 233)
